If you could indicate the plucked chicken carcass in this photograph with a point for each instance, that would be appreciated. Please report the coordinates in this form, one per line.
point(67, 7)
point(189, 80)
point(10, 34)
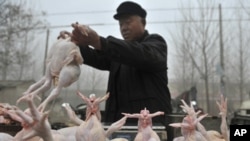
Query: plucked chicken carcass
point(62, 68)
point(5, 137)
point(224, 135)
point(73, 118)
point(5, 118)
point(192, 129)
point(93, 104)
point(69, 131)
point(91, 129)
point(190, 124)
point(145, 131)
point(36, 126)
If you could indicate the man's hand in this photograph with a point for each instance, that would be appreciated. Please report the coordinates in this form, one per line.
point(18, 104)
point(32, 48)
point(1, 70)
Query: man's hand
point(83, 35)
point(64, 35)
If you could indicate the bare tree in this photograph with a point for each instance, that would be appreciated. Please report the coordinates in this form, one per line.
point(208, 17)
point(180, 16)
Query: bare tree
point(244, 8)
point(199, 42)
point(185, 68)
point(239, 63)
point(16, 29)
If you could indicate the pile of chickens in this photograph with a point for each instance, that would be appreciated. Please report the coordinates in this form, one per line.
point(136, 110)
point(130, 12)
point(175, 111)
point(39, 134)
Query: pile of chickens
point(37, 128)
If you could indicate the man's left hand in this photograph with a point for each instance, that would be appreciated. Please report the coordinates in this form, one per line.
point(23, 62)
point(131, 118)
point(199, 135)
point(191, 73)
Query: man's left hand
point(83, 35)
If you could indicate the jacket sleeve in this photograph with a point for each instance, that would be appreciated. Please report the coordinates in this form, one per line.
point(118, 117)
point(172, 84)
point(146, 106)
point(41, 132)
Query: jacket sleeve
point(95, 58)
point(149, 54)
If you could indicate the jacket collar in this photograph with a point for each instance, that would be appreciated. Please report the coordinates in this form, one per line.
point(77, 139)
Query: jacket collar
point(145, 34)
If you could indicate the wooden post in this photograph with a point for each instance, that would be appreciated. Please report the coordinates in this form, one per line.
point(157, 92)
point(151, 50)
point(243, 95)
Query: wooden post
point(222, 75)
point(46, 51)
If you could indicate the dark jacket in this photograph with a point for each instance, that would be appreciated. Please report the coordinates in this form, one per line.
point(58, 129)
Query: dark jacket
point(138, 75)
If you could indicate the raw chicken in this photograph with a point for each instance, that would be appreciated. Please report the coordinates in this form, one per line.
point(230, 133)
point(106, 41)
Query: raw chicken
point(5, 117)
point(189, 125)
point(73, 118)
point(35, 125)
point(77, 121)
point(145, 131)
point(115, 127)
point(93, 104)
point(69, 132)
point(91, 129)
point(63, 68)
point(224, 136)
point(5, 137)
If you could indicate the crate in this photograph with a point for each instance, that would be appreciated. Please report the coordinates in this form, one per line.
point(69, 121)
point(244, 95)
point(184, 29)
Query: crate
point(10, 129)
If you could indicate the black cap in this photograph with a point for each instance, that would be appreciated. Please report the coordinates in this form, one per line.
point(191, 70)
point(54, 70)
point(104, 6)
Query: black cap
point(130, 8)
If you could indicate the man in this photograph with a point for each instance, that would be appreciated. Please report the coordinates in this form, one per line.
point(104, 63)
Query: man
point(137, 65)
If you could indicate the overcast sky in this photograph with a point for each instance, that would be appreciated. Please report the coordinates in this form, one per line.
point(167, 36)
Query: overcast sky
point(161, 18)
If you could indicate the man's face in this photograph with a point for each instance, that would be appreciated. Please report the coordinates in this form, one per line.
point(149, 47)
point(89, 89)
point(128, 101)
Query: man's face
point(131, 27)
